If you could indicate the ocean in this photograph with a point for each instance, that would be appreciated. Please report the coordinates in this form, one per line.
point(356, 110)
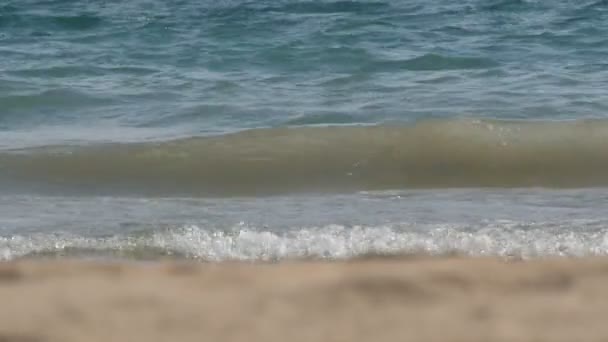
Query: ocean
point(268, 130)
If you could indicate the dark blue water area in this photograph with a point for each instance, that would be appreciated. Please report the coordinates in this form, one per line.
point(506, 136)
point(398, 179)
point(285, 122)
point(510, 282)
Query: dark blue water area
point(180, 68)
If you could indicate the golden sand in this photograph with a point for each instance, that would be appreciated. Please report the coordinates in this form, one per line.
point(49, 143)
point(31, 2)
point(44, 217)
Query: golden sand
point(376, 299)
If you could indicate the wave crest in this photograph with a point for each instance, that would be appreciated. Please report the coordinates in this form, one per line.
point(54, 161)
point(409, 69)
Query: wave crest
point(429, 154)
point(334, 242)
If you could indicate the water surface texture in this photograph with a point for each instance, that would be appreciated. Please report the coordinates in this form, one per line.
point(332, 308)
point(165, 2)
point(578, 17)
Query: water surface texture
point(151, 128)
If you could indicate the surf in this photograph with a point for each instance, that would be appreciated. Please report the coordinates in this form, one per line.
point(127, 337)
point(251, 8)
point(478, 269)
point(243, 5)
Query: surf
point(427, 154)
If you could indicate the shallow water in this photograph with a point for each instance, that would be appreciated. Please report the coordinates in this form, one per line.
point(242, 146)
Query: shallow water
point(271, 129)
point(517, 223)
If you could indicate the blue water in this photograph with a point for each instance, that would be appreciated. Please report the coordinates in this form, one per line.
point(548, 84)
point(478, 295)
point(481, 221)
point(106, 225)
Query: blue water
point(481, 105)
point(115, 70)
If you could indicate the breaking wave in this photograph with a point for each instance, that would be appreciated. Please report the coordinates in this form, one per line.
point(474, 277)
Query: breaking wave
point(428, 154)
point(333, 242)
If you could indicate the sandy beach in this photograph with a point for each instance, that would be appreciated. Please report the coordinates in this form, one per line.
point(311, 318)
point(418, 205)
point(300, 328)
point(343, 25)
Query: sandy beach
point(374, 299)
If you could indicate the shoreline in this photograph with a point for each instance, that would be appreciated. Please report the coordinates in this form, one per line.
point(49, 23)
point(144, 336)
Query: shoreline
point(449, 298)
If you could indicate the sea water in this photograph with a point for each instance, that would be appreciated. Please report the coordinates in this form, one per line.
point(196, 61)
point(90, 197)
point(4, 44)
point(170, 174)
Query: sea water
point(275, 129)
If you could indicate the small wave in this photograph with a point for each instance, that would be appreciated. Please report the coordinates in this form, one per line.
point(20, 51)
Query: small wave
point(249, 10)
point(429, 154)
point(324, 119)
point(599, 4)
point(41, 23)
point(83, 70)
point(506, 5)
point(78, 22)
point(430, 62)
point(317, 7)
point(56, 71)
point(334, 242)
point(49, 99)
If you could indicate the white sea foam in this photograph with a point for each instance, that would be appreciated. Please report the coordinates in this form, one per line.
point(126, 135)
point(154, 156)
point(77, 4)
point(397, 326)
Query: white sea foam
point(503, 239)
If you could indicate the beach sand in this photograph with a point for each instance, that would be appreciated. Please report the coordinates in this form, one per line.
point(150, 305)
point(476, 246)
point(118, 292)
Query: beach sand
point(406, 298)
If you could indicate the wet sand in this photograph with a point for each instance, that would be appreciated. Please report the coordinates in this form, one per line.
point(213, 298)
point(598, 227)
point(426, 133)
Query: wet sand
point(374, 299)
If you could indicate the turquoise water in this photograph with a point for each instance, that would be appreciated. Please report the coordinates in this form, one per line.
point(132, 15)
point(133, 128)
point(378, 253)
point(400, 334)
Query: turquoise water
point(114, 71)
point(272, 129)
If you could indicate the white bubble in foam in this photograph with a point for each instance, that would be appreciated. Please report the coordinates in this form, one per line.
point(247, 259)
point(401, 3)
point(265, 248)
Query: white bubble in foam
point(501, 238)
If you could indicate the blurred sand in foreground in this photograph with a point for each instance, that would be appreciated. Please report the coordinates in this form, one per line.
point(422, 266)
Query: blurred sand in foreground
point(376, 299)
